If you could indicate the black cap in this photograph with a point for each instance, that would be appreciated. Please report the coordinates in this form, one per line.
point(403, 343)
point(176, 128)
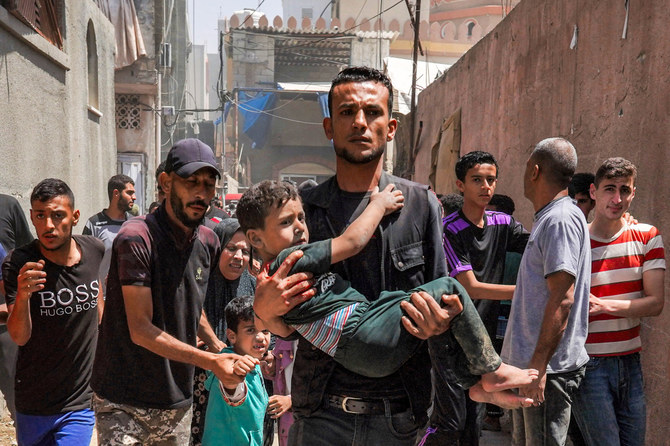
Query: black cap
point(188, 156)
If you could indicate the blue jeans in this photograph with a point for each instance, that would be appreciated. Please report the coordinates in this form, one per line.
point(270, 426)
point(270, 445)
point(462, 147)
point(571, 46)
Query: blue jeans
point(610, 405)
point(333, 427)
point(66, 429)
point(547, 424)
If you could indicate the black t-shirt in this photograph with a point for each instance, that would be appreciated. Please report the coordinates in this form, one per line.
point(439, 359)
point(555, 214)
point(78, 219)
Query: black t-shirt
point(53, 368)
point(364, 272)
point(152, 252)
point(346, 208)
point(214, 216)
point(14, 230)
point(483, 251)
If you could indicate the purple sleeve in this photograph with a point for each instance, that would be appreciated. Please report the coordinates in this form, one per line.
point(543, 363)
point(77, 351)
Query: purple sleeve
point(458, 259)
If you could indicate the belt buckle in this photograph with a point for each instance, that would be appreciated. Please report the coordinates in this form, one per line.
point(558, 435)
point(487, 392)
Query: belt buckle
point(345, 400)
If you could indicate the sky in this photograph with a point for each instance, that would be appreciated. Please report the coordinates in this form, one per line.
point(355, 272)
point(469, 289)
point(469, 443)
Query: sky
point(204, 15)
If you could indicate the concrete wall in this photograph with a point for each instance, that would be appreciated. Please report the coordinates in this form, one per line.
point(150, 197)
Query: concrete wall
point(46, 128)
point(609, 96)
point(253, 56)
point(296, 136)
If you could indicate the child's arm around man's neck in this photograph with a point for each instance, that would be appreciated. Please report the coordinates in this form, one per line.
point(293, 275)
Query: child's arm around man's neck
point(359, 233)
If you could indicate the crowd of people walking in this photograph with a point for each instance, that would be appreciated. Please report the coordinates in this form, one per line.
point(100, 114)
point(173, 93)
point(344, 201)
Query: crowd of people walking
point(376, 317)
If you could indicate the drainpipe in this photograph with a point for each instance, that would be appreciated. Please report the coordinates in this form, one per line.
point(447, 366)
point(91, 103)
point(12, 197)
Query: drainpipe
point(157, 131)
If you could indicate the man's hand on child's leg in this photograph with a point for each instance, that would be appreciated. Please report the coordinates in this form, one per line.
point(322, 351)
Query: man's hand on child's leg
point(426, 317)
point(276, 295)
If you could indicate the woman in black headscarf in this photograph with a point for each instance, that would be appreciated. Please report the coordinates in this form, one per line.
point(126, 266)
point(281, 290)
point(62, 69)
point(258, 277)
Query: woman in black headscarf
point(231, 279)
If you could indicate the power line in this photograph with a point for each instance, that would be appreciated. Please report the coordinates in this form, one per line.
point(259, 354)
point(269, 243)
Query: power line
point(254, 110)
point(250, 15)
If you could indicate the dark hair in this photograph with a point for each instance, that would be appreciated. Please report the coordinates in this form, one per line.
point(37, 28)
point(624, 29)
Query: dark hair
point(581, 184)
point(51, 188)
point(557, 159)
point(118, 182)
point(451, 203)
point(615, 168)
point(470, 160)
point(160, 169)
point(360, 74)
point(239, 309)
point(503, 203)
point(256, 203)
point(153, 206)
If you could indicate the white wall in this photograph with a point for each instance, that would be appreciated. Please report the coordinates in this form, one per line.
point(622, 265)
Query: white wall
point(293, 8)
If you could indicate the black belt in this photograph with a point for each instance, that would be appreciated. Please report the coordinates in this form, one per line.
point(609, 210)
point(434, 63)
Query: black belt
point(367, 406)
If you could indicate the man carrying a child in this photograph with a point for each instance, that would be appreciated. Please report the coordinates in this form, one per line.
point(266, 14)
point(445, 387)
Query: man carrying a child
point(331, 404)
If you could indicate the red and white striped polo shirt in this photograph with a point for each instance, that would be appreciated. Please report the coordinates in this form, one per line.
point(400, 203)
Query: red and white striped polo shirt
point(616, 273)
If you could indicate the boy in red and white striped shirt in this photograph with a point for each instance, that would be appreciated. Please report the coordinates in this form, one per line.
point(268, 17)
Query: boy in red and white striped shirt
point(628, 264)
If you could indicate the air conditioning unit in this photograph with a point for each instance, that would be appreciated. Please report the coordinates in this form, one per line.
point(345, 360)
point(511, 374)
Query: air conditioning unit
point(166, 55)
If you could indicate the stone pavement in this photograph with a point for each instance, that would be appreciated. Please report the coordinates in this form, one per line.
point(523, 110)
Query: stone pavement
point(495, 438)
point(502, 438)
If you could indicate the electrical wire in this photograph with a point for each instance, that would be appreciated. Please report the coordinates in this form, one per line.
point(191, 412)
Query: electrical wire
point(254, 110)
point(250, 15)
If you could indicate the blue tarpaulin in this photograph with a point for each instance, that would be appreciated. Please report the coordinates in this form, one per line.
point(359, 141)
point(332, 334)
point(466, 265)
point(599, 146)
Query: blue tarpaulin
point(256, 108)
point(257, 119)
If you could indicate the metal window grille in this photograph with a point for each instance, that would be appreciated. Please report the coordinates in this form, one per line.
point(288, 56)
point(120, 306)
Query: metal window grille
point(128, 112)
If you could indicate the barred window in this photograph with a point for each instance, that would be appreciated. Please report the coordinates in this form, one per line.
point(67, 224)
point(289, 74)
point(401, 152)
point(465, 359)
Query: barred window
point(128, 112)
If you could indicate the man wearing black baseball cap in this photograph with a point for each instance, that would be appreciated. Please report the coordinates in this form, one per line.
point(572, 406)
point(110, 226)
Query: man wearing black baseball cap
point(143, 371)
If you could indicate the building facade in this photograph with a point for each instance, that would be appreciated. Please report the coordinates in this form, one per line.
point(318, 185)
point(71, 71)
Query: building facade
point(57, 101)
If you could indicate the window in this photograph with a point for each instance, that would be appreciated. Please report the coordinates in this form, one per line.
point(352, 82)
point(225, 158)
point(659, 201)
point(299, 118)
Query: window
point(471, 26)
point(92, 64)
point(128, 112)
point(40, 15)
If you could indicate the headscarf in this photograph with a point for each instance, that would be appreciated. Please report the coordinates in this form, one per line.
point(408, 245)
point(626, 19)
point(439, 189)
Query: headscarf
point(220, 290)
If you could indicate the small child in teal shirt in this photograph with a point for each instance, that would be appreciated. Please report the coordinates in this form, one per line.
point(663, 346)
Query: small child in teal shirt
point(235, 416)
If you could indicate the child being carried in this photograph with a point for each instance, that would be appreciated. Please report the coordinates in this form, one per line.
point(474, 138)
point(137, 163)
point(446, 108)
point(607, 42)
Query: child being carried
point(367, 337)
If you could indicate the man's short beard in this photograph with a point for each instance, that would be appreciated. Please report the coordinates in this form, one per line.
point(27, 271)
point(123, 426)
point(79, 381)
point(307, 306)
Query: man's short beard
point(124, 206)
point(178, 208)
point(352, 159)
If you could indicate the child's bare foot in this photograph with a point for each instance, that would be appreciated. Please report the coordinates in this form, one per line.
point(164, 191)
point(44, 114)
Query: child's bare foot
point(507, 377)
point(505, 398)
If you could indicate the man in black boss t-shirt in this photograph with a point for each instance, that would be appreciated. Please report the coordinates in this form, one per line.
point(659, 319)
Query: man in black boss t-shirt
point(54, 300)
